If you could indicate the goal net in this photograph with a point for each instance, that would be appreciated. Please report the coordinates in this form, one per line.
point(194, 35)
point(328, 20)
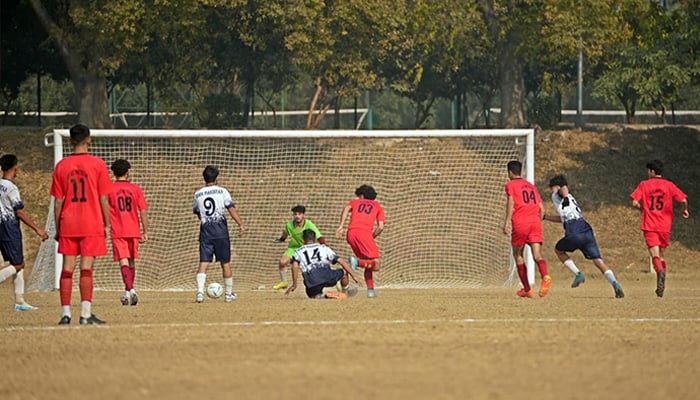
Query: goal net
point(442, 192)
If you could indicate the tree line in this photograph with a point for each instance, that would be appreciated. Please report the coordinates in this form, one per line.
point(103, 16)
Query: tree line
point(519, 55)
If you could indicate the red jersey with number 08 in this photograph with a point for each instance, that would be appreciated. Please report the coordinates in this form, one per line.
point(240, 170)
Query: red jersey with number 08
point(125, 203)
point(526, 201)
point(655, 196)
point(80, 180)
point(364, 214)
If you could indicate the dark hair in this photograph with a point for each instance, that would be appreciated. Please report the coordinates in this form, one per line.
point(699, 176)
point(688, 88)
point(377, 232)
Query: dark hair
point(210, 173)
point(299, 209)
point(120, 167)
point(78, 133)
point(558, 180)
point(366, 191)
point(515, 167)
point(656, 166)
point(308, 235)
point(8, 161)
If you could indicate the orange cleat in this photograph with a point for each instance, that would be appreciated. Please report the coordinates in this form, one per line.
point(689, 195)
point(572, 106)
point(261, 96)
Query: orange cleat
point(523, 293)
point(336, 295)
point(546, 285)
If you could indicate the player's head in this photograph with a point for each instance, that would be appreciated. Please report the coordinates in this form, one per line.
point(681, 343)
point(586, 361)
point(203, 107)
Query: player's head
point(299, 209)
point(366, 191)
point(515, 167)
point(78, 134)
point(210, 174)
point(120, 167)
point(657, 166)
point(558, 180)
point(308, 236)
point(8, 161)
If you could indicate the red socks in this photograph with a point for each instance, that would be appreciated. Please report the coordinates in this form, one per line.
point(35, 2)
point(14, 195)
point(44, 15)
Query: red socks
point(369, 280)
point(659, 264)
point(128, 275)
point(542, 266)
point(522, 273)
point(66, 287)
point(85, 285)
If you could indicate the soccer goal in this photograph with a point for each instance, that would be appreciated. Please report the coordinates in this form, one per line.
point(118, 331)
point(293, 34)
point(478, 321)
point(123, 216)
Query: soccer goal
point(442, 191)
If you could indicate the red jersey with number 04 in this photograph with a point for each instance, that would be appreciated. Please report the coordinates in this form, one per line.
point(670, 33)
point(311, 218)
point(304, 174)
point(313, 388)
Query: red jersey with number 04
point(655, 196)
point(526, 201)
point(125, 203)
point(80, 180)
point(364, 214)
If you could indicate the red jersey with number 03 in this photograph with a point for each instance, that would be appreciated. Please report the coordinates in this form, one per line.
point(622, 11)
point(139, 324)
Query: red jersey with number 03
point(80, 180)
point(364, 214)
point(526, 201)
point(125, 203)
point(655, 196)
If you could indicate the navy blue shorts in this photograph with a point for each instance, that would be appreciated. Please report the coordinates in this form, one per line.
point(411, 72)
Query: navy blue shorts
point(221, 248)
point(12, 252)
point(584, 241)
point(334, 277)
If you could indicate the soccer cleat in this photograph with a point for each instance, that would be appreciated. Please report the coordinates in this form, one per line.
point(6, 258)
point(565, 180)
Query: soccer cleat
point(336, 295)
point(65, 320)
point(230, 297)
point(545, 285)
point(125, 300)
point(618, 290)
point(199, 298)
point(91, 320)
point(371, 293)
point(350, 291)
point(280, 285)
point(354, 262)
point(660, 283)
point(523, 293)
point(134, 299)
point(578, 279)
point(25, 307)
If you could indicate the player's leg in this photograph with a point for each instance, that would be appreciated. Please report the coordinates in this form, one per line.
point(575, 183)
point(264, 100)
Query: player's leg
point(654, 243)
point(546, 282)
point(132, 277)
point(564, 246)
point(90, 247)
point(284, 262)
point(120, 256)
point(610, 276)
point(518, 251)
point(228, 282)
point(68, 247)
point(206, 256)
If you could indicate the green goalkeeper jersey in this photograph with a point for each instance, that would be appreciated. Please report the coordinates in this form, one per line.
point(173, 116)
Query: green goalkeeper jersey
point(294, 233)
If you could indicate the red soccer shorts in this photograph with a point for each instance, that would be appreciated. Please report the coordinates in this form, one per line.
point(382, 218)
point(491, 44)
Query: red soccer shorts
point(125, 248)
point(363, 244)
point(656, 239)
point(91, 246)
point(523, 234)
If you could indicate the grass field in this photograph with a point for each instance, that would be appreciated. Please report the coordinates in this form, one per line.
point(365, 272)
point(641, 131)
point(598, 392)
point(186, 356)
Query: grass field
point(407, 344)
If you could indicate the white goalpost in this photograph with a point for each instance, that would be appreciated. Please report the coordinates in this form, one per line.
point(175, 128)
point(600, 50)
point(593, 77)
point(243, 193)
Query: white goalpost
point(442, 191)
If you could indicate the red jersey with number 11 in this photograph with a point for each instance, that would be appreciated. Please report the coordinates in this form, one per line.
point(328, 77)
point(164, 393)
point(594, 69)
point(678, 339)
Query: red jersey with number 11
point(125, 203)
point(80, 179)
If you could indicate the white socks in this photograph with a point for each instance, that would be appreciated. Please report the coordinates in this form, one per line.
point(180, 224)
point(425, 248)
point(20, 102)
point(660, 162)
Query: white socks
point(228, 285)
point(610, 276)
point(201, 280)
point(569, 263)
point(18, 281)
point(7, 272)
point(283, 275)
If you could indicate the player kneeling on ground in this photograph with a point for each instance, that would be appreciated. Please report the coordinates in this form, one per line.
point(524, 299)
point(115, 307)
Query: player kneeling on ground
point(315, 261)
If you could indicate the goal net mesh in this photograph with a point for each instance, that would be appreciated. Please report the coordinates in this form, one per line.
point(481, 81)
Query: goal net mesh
point(443, 198)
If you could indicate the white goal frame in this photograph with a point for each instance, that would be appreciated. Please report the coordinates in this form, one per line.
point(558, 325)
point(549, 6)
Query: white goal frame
point(58, 140)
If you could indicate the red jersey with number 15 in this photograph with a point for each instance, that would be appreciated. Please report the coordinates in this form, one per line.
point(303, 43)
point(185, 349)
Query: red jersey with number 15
point(655, 196)
point(364, 214)
point(80, 179)
point(526, 201)
point(125, 203)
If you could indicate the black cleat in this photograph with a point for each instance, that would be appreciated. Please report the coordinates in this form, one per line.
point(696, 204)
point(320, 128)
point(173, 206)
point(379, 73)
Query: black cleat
point(134, 299)
point(65, 320)
point(660, 283)
point(92, 320)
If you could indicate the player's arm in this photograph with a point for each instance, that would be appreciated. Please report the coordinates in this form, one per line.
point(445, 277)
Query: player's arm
point(57, 208)
point(509, 214)
point(348, 270)
point(234, 214)
point(343, 217)
point(542, 212)
point(684, 208)
point(24, 217)
point(378, 229)
point(282, 238)
point(104, 205)
point(143, 215)
point(295, 277)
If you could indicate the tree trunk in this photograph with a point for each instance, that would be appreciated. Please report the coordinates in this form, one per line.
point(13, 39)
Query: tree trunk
point(512, 84)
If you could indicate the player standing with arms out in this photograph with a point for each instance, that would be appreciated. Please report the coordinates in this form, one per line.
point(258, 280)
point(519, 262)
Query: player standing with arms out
point(366, 223)
point(578, 235)
point(81, 187)
point(128, 215)
point(525, 211)
point(11, 212)
point(314, 260)
point(654, 197)
point(210, 205)
point(294, 229)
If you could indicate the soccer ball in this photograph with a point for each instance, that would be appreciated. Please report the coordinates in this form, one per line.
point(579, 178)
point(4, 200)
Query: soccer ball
point(215, 290)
